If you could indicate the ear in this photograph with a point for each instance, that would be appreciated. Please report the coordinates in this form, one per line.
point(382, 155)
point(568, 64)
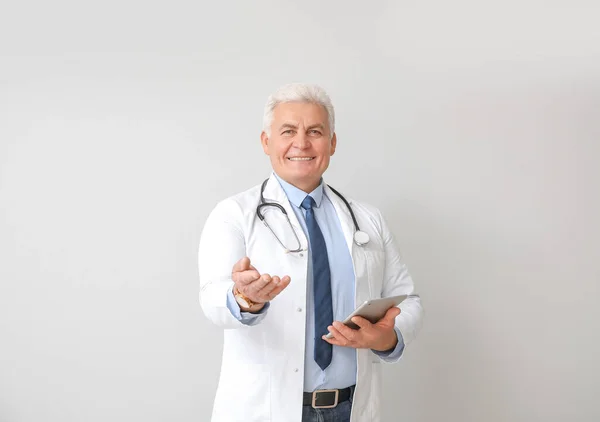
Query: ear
point(264, 140)
point(333, 144)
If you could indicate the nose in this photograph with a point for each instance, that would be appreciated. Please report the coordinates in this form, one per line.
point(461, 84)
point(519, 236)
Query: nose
point(301, 141)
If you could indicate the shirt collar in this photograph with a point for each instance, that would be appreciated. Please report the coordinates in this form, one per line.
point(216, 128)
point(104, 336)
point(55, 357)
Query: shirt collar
point(296, 196)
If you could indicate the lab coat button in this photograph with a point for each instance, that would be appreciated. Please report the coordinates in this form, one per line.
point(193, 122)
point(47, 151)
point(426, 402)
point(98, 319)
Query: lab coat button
point(301, 255)
point(295, 369)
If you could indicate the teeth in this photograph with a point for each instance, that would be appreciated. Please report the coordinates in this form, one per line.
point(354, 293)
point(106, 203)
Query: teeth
point(300, 158)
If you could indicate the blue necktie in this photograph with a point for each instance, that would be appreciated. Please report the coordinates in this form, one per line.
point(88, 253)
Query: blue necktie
point(321, 285)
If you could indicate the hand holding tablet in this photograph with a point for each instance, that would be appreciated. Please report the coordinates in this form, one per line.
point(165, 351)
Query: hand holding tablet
point(372, 310)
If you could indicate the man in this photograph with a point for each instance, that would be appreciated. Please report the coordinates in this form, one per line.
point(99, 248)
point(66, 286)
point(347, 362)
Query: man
point(277, 286)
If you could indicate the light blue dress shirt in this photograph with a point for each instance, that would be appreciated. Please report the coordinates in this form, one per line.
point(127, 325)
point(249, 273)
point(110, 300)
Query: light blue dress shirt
point(341, 372)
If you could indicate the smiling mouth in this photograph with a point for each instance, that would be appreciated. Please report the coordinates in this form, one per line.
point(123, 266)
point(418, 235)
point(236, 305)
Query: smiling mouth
point(301, 158)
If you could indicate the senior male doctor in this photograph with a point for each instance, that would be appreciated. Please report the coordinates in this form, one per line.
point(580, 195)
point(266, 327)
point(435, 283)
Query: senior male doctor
point(278, 287)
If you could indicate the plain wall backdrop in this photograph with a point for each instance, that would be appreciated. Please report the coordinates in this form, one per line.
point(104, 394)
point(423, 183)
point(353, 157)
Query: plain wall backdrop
point(474, 127)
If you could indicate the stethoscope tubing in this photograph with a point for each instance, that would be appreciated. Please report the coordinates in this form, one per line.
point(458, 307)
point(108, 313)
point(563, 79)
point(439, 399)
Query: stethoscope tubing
point(357, 232)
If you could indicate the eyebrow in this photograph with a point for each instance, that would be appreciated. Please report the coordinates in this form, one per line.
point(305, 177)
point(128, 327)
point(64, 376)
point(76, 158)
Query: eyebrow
point(292, 126)
point(288, 126)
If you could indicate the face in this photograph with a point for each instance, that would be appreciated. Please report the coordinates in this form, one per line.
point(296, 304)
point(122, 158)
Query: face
point(300, 144)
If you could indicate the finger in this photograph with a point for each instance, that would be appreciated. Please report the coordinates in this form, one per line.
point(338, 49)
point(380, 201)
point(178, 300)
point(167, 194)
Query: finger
point(266, 291)
point(389, 319)
point(283, 283)
point(245, 277)
point(392, 313)
point(344, 330)
point(242, 265)
point(338, 338)
point(361, 322)
point(331, 340)
point(256, 286)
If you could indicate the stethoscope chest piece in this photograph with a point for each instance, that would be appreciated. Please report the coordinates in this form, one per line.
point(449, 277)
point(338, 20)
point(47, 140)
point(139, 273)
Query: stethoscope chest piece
point(361, 238)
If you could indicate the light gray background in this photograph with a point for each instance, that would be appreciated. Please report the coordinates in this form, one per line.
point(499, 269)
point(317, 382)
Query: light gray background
point(472, 125)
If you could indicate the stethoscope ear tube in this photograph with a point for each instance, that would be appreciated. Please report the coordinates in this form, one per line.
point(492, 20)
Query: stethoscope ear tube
point(263, 203)
point(268, 204)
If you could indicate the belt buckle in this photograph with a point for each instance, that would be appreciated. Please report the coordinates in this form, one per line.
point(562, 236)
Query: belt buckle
point(314, 399)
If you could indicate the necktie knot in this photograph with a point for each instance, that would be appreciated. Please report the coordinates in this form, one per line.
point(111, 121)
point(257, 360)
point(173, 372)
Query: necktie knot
point(308, 203)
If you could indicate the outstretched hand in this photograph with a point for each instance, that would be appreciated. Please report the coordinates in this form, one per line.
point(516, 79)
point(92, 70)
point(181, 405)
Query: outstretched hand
point(260, 288)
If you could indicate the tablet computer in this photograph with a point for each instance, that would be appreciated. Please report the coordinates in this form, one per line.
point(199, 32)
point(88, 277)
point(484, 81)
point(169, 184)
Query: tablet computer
point(372, 310)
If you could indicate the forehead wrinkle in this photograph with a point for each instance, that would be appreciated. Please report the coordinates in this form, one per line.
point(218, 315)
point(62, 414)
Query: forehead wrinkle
point(295, 113)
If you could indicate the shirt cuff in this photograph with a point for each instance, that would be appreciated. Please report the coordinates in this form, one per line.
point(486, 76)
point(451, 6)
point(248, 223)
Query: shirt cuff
point(246, 318)
point(394, 354)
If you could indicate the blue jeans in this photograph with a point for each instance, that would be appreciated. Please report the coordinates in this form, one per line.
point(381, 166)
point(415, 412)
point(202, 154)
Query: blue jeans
point(340, 413)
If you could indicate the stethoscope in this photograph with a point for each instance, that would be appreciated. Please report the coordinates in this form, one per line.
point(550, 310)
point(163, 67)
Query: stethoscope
point(360, 238)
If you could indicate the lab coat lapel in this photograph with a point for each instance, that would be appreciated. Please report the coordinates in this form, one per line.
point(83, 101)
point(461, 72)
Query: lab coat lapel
point(359, 260)
point(344, 215)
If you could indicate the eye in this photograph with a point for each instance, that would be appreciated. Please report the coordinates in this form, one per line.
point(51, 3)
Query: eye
point(315, 132)
point(287, 132)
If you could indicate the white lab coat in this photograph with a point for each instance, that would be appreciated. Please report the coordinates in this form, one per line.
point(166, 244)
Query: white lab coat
point(263, 365)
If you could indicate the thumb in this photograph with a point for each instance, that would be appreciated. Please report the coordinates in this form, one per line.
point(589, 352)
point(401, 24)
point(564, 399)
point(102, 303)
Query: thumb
point(392, 313)
point(242, 265)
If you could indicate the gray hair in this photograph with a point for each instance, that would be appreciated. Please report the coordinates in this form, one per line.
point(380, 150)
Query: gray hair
point(303, 93)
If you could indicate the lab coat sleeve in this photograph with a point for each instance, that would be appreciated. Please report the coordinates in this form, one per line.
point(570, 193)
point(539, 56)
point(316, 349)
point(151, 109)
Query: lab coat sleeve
point(397, 281)
point(222, 244)
point(246, 318)
point(396, 352)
